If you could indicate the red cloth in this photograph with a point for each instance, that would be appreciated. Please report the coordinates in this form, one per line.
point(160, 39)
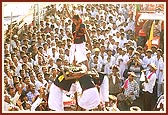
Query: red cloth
point(150, 75)
point(80, 20)
point(126, 84)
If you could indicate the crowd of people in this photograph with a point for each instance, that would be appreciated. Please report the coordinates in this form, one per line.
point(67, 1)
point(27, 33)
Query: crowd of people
point(98, 38)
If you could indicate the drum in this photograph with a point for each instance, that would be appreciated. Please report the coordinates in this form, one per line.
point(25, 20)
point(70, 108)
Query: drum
point(135, 108)
point(67, 101)
point(121, 97)
point(112, 100)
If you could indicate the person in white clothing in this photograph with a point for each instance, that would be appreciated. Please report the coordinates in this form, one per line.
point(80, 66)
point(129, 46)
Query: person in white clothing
point(148, 87)
point(148, 59)
point(40, 82)
point(109, 55)
point(159, 72)
point(90, 97)
point(122, 40)
point(78, 50)
point(96, 64)
point(63, 82)
point(102, 83)
point(121, 62)
point(8, 105)
point(32, 107)
point(11, 98)
point(97, 53)
point(107, 67)
point(160, 80)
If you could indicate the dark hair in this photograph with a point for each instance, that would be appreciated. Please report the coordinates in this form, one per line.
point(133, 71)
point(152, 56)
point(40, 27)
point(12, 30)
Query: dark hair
point(23, 94)
point(59, 59)
point(15, 77)
point(139, 47)
point(9, 88)
point(46, 74)
point(95, 57)
point(76, 17)
point(15, 84)
point(38, 74)
point(21, 70)
point(24, 105)
point(25, 77)
point(160, 51)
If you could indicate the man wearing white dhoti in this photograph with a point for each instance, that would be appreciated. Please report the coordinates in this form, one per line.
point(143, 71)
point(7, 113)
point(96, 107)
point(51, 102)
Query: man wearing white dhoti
point(90, 97)
point(102, 83)
point(78, 50)
point(62, 82)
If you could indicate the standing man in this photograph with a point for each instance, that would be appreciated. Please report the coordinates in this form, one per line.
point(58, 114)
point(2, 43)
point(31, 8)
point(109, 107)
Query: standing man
point(115, 81)
point(78, 50)
point(102, 83)
point(148, 87)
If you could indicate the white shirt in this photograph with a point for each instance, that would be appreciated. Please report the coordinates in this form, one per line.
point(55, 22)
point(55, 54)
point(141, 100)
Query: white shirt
point(18, 68)
point(100, 60)
point(112, 46)
point(36, 103)
point(114, 79)
point(112, 60)
point(107, 69)
point(122, 64)
point(99, 66)
point(145, 63)
point(122, 41)
point(159, 64)
point(67, 58)
point(38, 84)
point(151, 83)
point(159, 72)
point(15, 98)
point(8, 105)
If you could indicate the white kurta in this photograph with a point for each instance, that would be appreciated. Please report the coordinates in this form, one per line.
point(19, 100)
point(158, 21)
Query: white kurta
point(145, 63)
point(112, 60)
point(104, 90)
point(107, 69)
point(151, 83)
point(121, 62)
point(159, 74)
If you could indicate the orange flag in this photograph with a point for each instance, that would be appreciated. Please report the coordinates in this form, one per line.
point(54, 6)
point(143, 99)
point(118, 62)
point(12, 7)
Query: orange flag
point(149, 42)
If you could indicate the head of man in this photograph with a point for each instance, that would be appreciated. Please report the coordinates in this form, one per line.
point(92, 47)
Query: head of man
point(76, 19)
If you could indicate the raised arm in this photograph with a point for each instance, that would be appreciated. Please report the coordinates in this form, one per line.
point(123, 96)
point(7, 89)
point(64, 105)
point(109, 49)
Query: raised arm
point(69, 15)
point(88, 39)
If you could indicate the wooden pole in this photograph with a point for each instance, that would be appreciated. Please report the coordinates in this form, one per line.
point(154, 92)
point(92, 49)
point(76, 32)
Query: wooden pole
point(11, 26)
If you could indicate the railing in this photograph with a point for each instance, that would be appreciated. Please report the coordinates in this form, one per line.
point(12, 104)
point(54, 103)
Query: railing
point(39, 9)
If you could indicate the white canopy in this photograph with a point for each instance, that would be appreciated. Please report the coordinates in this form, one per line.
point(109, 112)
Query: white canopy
point(148, 16)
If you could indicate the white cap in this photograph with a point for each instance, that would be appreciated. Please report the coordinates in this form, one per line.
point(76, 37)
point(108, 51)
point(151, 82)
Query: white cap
point(15, 36)
point(88, 51)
